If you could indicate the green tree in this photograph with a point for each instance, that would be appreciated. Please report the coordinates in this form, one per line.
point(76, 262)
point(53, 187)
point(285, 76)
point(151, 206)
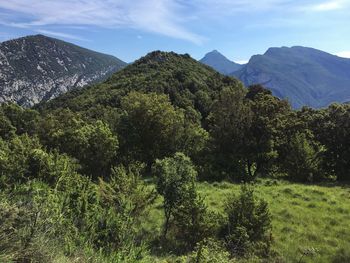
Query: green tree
point(7, 130)
point(229, 122)
point(248, 227)
point(186, 215)
point(304, 158)
point(268, 114)
point(152, 128)
point(23, 159)
point(335, 136)
point(92, 144)
point(24, 120)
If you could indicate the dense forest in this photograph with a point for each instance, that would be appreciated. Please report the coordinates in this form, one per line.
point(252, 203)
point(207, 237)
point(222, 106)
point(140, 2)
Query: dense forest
point(122, 171)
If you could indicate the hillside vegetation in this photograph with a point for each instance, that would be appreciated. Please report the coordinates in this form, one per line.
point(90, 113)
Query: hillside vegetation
point(171, 161)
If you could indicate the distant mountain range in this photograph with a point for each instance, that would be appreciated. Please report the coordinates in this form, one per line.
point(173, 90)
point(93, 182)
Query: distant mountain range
point(37, 68)
point(220, 63)
point(305, 76)
point(187, 82)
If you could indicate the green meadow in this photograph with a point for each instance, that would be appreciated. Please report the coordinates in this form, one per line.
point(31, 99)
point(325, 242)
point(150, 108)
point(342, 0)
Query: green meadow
point(311, 223)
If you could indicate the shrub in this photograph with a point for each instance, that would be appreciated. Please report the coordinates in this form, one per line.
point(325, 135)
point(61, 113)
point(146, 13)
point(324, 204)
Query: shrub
point(248, 227)
point(186, 216)
point(208, 251)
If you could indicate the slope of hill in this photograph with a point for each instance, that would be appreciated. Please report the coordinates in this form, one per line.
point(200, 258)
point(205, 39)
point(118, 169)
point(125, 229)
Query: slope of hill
point(185, 80)
point(304, 76)
point(38, 68)
point(220, 63)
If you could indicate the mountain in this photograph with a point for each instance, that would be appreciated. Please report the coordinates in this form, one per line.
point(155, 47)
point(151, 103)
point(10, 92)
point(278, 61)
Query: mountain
point(220, 63)
point(38, 68)
point(187, 82)
point(305, 76)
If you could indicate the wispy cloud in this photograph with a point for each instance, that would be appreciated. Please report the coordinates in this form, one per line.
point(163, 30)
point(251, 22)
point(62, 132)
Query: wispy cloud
point(329, 5)
point(60, 34)
point(171, 18)
point(343, 54)
point(157, 16)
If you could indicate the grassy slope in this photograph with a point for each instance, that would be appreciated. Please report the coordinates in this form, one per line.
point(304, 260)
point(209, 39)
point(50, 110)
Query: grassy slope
point(304, 216)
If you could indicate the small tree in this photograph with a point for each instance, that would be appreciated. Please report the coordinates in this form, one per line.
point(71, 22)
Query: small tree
point(185, 212)
point(303, 161)
point(248, 227)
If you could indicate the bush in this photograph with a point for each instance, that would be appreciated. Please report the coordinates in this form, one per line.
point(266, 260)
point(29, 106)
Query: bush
point(208, 251)
point(186, 216)
point(248, 227)
point(72, 214)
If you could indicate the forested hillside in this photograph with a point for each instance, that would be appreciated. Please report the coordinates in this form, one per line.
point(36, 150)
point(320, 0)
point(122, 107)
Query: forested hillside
point(145, 167)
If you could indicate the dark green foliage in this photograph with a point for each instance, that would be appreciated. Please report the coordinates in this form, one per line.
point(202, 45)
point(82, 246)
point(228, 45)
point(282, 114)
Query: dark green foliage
point(335, 136)
point(248, 227)
point(94, 145)
point(262, 138)
point(186, 217)
point(303, 161)
point(229, 122)
point(23, 159)
point(6, 128)
point(17, 119)
point(180, 77)
point(152, 128)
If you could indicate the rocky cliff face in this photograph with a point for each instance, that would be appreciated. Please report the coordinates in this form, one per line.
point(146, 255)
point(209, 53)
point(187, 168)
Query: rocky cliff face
point(39, 68)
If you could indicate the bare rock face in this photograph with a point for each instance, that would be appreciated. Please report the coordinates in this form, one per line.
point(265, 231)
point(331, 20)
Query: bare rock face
point(39, 68)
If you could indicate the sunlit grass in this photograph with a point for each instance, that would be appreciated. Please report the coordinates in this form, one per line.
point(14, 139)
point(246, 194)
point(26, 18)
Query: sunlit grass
point(310, 219)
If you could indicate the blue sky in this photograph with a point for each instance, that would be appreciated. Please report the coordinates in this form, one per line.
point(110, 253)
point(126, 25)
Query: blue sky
point(129, 29)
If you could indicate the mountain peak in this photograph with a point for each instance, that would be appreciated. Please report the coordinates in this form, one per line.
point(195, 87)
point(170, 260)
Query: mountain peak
point(160, 57)
point(37, 67)
point(219, 62)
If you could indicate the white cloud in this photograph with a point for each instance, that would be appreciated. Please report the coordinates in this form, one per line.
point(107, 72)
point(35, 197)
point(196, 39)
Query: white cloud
point(157, 16)
point(241, 61)
point(166, 17)
point(328, 6)
point(344, 54)
point(60, 34)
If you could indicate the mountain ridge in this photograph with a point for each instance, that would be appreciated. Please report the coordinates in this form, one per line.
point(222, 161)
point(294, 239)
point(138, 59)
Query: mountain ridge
point(186, 81)
point(305, 76)
point(37, 67)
